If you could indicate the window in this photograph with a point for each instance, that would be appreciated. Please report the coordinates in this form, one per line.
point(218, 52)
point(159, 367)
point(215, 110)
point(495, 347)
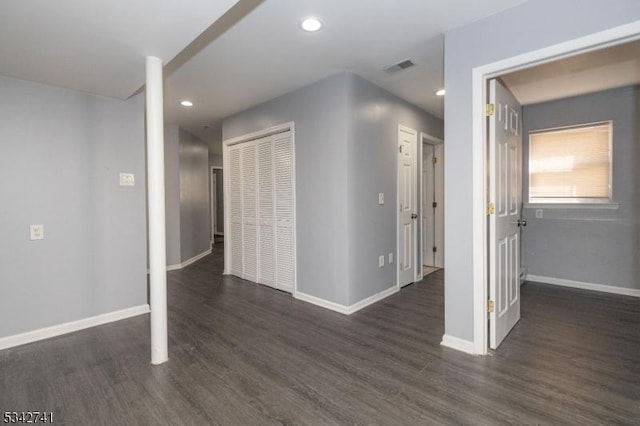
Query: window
point(571, 164)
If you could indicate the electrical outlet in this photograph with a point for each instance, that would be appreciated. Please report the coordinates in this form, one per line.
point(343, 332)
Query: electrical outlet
point(539, 213)
point(381, 198)
point(127, 179)
point(36, 232)
point(380, 261)
point(390, 258)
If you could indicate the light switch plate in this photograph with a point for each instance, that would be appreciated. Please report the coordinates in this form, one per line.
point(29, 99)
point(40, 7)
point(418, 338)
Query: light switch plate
point(36, 232)
point(381, 198)
point(380, 261)
point(390, 258)
point(127, 179)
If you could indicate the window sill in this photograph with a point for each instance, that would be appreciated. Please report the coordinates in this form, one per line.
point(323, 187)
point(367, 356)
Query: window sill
point(589, 206)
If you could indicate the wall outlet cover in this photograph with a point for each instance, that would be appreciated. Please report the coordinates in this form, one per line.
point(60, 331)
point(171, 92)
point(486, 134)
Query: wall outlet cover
point(36, 232)
point(390, 258)
point(539, 213)
point(127, 179)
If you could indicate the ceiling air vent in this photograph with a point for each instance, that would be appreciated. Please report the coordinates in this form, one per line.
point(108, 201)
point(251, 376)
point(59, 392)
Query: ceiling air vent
point(392, 69)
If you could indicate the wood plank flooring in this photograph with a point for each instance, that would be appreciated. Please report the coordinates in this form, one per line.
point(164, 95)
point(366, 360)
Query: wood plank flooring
point(243, 354)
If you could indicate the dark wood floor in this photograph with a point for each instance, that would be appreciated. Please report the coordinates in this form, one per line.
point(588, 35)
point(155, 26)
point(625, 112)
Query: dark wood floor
point(242, 354)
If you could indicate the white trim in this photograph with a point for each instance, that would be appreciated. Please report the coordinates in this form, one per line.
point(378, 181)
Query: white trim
point(461, 345)
point(568, 206)
point(584, 285)
point(322, 303)
point(274, 130)
point(194, 259)
point(480, 75)
point(343, 309)
point(70, 327)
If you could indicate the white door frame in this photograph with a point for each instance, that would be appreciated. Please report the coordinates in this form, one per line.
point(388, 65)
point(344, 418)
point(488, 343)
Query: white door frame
point(226, 144)
point(425, 138)
point(480, 76)
point(417, 271)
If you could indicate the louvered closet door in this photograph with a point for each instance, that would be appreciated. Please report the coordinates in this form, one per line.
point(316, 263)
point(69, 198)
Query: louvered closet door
point(283, 162)
point(249, 212)
point(266, 214)
point(235, 208)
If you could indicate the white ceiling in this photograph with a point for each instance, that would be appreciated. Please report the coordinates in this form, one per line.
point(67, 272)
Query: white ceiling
point(266, 54)
point(590, 72)
point(99, 46)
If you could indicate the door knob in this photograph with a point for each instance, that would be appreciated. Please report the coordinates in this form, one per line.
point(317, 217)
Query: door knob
point(522, 222)
point(414, 216)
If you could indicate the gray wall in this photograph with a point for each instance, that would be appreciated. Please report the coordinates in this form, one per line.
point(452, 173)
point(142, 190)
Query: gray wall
point(215, 160)
point(372, 168)
point(172, 192)
point(589, 245)
point(320, 115)
point(195, 216)
point(346, 138)
point(62, 152)
point(503, 35)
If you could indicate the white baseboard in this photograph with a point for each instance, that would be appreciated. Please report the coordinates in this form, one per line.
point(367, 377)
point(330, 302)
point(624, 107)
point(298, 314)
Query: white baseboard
point(322, 303)
point(70, 327)
point(465, 346)
point(584, 286)
point(343, 309)
point(372, 299)
point(186, 263)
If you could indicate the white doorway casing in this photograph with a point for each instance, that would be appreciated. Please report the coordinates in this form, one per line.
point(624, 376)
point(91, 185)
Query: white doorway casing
point(431, 189)
point(480, 76)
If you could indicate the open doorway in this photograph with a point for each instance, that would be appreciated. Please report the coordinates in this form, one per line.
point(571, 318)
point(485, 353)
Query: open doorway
point(217, 205)
point(562, 165)
point(432, 203)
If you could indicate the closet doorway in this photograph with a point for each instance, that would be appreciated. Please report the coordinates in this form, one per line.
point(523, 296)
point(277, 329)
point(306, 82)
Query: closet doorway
point(259, 193)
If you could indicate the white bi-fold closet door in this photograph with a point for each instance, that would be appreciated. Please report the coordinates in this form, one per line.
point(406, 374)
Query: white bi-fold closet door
point(261, 210)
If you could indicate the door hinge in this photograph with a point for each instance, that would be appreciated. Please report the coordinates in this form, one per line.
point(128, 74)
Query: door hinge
point(490, 306)
point(434, 160)
point(435, 204)
point(490, 209)
point(490, 110)
point(435, 249)
point(400, 149)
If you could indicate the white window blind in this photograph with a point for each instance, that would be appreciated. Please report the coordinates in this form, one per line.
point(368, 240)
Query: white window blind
point(570, 165)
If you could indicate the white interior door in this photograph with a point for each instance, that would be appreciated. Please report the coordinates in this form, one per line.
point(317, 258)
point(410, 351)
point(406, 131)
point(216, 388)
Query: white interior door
point(505, 152)
point(214, 206)
point(284, 211)
point(266, 215)
point(407, 200)
point(249, 212)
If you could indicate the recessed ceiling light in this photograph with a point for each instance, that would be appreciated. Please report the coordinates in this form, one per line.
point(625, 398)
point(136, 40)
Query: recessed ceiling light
point(311, 24)
point(186, 103)
point(440, 92)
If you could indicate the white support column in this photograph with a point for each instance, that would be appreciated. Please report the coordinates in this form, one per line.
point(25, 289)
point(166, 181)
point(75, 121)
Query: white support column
point(156, 211)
